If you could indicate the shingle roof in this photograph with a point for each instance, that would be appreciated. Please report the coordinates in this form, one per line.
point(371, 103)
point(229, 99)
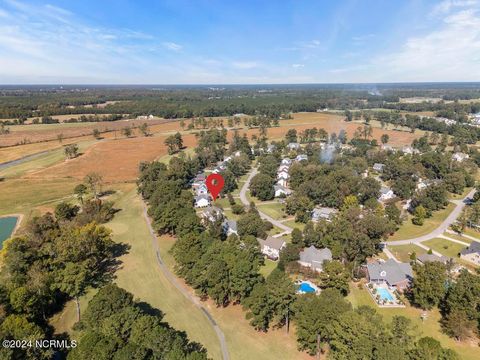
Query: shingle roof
point(474, 248)
point(390, 271)
point(314, 256)
point(272, 242)
point(424, 258)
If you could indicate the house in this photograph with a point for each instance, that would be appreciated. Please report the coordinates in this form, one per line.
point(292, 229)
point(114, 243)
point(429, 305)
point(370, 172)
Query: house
point(271, 148)
point(378, 167)
point(199, 180)
point(281, 191)
point(302, 157)
point(386, 193)
point(283, 175)
point(314, 258)
point(407, 205)
point(282, 182)
point(202, 201)
point(471, 253)
point(293, 146)
point(237, 153)
point(201, 189)
point(458, 156)
point(227, 159)
point(230, 227)
point(410, 150)
point(211, 213)
point(395, 275)
point(271, 246)
point(286, 161)
point(386, 147)
point(323, 213)
point(283, 168)
point(424, 258)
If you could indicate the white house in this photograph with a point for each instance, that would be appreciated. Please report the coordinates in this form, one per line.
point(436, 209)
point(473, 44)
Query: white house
point(281, 191)
point(471, 253)
point(314, 258)
point(271, 246)
point(211, 213)
point(323, 213)
point(410, 150)
point(286, 161)
point(302, 157)
point(283, 168)
point(282, 182)
point(271, 148)
point(378, 167)
point(386, 193)
point(283, 175)
point(293, 146)
point(230, 227)
point(202, 201)
point(201, 189)
point(458, 156)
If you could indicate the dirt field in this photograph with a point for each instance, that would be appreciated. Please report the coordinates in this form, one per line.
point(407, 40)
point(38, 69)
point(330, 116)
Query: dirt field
point(116, 160)
point(48, 132)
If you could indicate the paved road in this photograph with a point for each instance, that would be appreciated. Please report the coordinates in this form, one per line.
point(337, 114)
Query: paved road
point(173, 280)
point(460, 204)
point(243, 197)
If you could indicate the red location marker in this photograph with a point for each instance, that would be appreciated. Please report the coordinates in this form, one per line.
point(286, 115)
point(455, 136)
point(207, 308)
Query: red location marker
point(214, 184)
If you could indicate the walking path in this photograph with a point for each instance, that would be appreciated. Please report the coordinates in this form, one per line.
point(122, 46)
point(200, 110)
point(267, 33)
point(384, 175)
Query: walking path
point(173, 280)
point(465, 236)
point(243, 197)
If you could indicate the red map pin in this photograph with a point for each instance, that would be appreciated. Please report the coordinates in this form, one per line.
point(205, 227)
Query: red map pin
point(214, 184)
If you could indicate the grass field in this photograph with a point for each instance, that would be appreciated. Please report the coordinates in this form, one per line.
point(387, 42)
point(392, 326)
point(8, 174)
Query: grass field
point(403, 252)
point(273, 210)
point(459, 237)
point(268, 267)
point(409, 231)
point(473, 233)
point(293, 224)
point(444, 247)
point(429, 327)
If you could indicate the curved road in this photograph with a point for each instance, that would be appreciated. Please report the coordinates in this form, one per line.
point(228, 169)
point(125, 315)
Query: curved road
point(173, 280)
point(443, 227)
point(243, 197)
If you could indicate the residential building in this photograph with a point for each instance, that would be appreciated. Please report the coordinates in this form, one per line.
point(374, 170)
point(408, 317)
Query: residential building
point(314, 258)
point(199, 180)
point(424, 258)
point(386, 193)
point(391, 273)
point(271, 148)
point(230, 227)
point(281, 191)
point(283, 168)
point(282, 182)
point(201, 189)
point(293, 146)
point(302, 157)
point(271, 246)
point(458, 156)
point(407, 149)
point(283, 175)
point(378, 167)
point(211, 213)
point(286, 161)
point(202, 201)
point(323, 213)
point(471, 253)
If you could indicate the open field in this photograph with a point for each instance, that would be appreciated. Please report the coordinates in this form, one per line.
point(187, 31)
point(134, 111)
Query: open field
point(403, 252)
point(115, 160)
point(444, 247)
point(268, 267)
point(409, 231)
point(273, 210)
point(429, 327)
point(48, 132)
point(459, 237)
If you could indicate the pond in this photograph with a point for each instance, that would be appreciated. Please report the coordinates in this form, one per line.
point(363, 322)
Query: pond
point(7, 225)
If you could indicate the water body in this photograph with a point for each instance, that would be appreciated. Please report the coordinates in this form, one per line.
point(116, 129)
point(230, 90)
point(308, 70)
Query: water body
point(7, 225)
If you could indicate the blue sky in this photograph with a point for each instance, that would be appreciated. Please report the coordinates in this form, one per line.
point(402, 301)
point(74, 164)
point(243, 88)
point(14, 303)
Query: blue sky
point(219, 42)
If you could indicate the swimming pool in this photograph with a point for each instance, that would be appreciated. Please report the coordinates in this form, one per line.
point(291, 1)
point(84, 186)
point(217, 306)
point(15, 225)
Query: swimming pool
point(7, 225)
point(385, 294)
point(306, 288)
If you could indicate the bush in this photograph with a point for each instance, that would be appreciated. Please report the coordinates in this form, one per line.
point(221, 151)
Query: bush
point(238, 209)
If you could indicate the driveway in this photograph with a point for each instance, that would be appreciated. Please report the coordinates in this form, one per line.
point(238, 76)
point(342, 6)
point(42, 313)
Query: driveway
point(243, 198)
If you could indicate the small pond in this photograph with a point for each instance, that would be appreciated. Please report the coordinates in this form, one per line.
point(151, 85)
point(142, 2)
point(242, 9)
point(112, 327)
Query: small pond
point(7, 225)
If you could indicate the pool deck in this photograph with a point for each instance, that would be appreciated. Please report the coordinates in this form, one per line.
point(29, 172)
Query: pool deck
point(380, 305)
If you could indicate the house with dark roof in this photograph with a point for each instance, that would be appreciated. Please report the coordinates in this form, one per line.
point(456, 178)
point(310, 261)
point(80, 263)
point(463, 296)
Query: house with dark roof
point(271, 246)
point(378, 167)
point(323, 213)
point(391, 273)
point(230, 227)
point(314, 258)
point(471, 253)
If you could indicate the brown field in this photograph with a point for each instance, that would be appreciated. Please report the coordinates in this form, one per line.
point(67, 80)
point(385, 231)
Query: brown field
point(116, 160)
point(48, 132)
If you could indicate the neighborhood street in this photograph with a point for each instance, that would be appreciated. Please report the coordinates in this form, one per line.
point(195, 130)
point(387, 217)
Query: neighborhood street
point(243, 197)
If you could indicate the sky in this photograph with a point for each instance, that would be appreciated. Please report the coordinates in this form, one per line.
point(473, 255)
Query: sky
point(238, 42)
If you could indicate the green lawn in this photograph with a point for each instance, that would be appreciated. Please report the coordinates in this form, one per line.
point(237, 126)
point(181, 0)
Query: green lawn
point(460, 196)
point(444, 247)
point(274, 231)
point(269, 266)
point(473, 233)
point(409, 231)
point(294, 224)
point(459, 237)
point(429, 327)
point(403, 252)
point(273, 210)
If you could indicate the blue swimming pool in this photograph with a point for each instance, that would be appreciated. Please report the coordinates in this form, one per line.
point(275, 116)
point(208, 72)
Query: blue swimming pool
point(7, 225)
point(306, 287)
point(385, 294)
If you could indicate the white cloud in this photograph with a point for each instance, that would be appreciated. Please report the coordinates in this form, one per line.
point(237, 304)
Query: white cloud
point(447, 5)
point(296, 66)
point(172, 46)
